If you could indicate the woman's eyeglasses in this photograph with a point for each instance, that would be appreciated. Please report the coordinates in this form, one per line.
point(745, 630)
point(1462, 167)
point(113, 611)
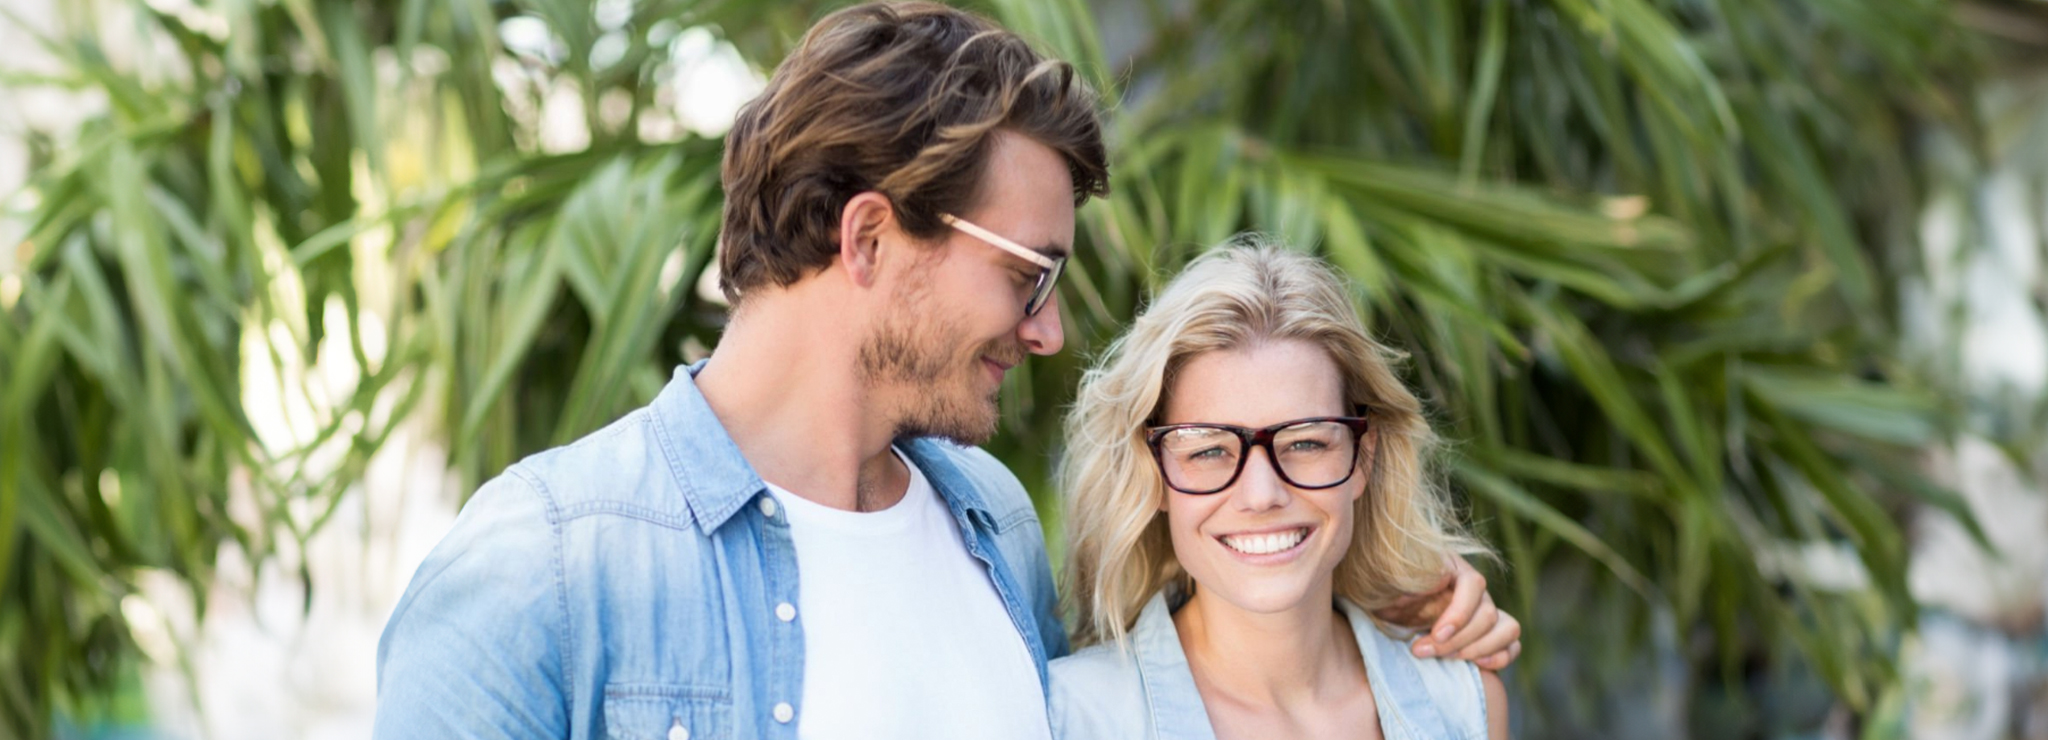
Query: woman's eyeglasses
point(1201, 459)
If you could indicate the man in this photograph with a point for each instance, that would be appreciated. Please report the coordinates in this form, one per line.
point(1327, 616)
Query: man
point(781, 544)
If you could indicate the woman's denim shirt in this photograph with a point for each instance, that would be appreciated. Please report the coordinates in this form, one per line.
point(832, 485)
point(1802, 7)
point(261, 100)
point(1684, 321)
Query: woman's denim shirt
point(641, 583)
point(1144, 689)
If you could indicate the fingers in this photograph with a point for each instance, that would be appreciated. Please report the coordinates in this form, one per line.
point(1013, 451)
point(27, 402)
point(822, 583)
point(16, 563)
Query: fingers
point(1499, 661)
point(1467, 594)
point(1419, 610)
point(1415, 611)
point(1428, 597)
point(1450, 575)
point(1498, 647)
point(1471, 627)
point(1482, 623)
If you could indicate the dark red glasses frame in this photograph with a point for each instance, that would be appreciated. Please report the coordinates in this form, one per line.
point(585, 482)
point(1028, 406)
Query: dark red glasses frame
point(1262, 438)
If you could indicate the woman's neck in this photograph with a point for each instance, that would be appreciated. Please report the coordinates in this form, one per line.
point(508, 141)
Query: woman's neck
point(1286, 660)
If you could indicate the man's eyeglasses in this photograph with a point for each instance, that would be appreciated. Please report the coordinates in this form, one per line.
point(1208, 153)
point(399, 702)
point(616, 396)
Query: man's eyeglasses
point(1049, 268)
point(1202, 459)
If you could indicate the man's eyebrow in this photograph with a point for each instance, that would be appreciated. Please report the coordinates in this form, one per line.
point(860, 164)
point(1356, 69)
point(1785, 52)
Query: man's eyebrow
point(1052, 250)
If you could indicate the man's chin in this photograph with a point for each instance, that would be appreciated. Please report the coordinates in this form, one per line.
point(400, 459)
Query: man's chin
point(963, 440)
point(970, 429)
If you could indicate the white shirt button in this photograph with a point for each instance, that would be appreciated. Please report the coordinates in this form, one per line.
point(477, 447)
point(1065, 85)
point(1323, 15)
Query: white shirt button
point(785, 612)
point(784, 712)
point(679, 732)
point(768, 506)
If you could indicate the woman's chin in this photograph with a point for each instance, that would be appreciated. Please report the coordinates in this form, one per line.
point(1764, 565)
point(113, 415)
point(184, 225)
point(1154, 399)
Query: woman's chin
point(1269, 596)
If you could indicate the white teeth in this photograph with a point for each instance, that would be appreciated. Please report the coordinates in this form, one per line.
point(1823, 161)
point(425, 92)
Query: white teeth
point(1265, 544)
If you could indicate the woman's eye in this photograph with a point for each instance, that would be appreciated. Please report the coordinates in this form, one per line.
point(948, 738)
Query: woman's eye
point(1212, 453)
point(1307, 445)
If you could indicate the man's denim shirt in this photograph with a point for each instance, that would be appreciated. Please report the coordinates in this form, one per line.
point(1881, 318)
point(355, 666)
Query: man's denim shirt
point(642, 580)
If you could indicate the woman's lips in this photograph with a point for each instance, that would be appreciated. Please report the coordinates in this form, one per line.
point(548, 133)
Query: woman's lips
point(1267, 547)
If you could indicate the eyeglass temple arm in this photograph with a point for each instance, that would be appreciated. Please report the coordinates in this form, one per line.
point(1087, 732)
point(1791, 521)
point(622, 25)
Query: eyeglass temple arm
point(989, 236)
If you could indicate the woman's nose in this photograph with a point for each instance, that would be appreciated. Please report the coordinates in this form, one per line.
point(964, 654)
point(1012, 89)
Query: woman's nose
point(1260, 487)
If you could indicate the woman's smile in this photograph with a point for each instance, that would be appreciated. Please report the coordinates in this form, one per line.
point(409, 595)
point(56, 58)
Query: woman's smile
point(1269, 546)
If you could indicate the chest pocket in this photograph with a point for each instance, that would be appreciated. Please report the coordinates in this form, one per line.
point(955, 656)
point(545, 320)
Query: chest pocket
point(666, 712)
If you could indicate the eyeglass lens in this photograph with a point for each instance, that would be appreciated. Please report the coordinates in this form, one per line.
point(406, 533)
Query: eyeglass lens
point(1048, 281)
point(1315, 454)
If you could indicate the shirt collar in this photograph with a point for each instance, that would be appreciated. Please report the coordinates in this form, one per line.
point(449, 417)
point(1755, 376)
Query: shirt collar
point(1176, 705)
point(717, 480)
point(937, 459)
point(1406, 709)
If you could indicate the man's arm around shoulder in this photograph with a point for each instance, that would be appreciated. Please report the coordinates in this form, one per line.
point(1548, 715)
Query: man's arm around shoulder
point(475, 647)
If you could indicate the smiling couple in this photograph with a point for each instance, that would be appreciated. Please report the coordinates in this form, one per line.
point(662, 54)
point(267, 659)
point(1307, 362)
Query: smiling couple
point(798, 538)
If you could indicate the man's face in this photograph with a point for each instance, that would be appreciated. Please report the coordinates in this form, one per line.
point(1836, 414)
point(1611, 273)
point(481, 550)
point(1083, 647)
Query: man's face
point(959, 323)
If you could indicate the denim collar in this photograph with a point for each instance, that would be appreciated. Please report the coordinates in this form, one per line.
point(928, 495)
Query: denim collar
point(1404, 705)
point(716, 480)
point(1170, 693)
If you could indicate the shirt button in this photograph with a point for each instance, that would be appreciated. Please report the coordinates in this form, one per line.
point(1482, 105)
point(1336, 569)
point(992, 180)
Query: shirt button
point(785, 612)
point(768, 507)
point(784, 712)
point(679, 732)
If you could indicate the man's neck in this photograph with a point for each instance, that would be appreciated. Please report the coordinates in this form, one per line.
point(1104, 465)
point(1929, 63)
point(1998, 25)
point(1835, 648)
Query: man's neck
point(784, 385)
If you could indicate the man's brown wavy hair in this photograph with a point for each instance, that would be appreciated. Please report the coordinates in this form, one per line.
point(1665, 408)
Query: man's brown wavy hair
point(899, 98)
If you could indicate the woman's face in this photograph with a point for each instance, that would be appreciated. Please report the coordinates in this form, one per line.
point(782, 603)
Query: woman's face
point(1261, 544)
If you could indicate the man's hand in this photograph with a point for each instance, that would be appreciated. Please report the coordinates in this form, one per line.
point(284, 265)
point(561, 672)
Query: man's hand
point(1462, 620)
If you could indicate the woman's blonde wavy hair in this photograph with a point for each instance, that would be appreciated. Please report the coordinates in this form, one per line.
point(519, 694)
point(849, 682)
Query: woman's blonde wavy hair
point(1238, 296)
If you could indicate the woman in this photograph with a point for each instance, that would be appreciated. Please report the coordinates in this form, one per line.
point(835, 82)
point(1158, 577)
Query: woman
point(1246, 480)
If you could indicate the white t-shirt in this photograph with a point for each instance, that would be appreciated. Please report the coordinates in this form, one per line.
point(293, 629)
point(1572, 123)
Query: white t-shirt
point(904, 635)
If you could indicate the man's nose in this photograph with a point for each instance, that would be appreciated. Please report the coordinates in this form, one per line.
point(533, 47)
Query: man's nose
point(1041, 332)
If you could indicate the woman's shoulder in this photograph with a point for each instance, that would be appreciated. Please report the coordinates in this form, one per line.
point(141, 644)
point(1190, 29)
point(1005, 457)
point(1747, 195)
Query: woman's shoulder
point(1423, 691)
point(1455, 689)
point(1097, 692)
point(1101, 661)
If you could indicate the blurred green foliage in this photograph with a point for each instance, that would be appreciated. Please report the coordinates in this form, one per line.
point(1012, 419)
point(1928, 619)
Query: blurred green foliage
point(1644, 254)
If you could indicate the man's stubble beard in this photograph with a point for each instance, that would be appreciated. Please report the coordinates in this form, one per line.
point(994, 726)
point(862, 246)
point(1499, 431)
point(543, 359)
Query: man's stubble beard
point(912, 351)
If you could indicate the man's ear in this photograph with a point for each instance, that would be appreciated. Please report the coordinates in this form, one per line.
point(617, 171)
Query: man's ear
point(867, 216)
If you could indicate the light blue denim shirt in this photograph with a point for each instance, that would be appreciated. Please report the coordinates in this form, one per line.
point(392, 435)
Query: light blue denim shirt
point(1144, 689)
point(641, 582)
